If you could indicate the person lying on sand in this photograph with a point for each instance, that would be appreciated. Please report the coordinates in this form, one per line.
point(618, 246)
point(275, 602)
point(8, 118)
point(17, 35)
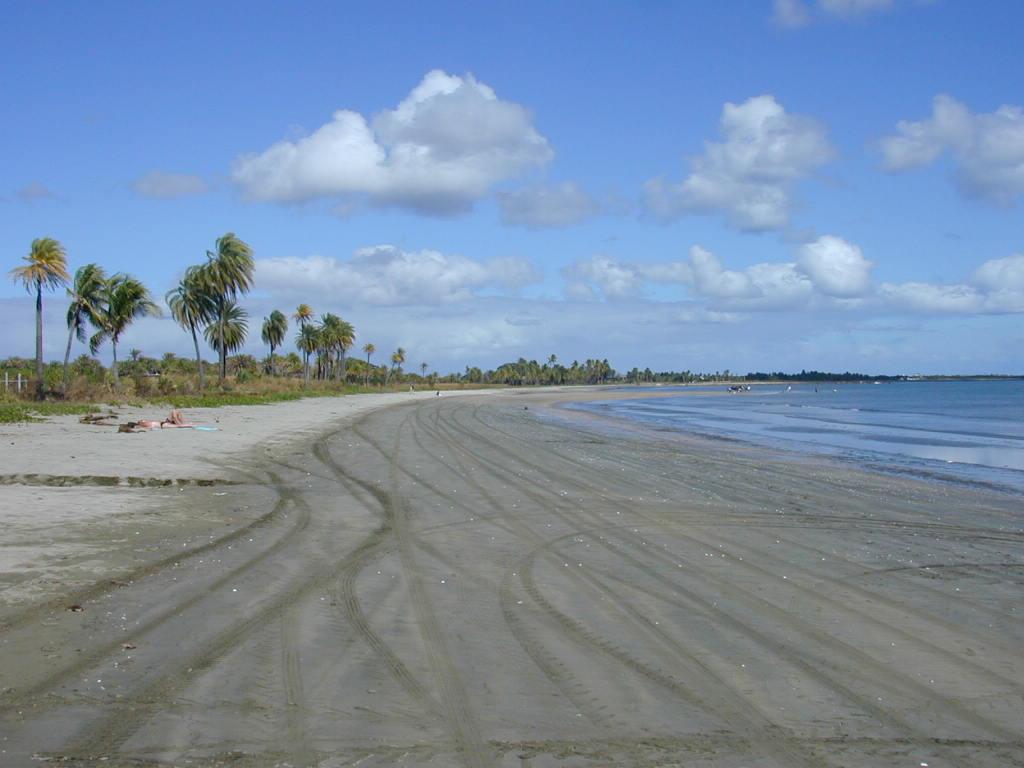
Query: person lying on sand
point(174, 421)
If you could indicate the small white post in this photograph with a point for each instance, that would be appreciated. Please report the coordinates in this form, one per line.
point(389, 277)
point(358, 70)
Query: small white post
point(19, 382)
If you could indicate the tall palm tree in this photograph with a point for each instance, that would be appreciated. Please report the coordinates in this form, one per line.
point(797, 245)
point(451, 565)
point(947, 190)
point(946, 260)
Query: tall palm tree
point(308, 341)
point(336, 337)
point(369, 349)
point(124, 299)
point(192, 307)
point(227, 274)
point(423, 369)
point(274, 329)
point(228, 333)
point(303, 316)
point(46, 267)
point(85, 294)
point(397, 358)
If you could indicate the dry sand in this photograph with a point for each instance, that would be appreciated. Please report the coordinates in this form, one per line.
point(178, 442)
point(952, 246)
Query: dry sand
point(458, 581)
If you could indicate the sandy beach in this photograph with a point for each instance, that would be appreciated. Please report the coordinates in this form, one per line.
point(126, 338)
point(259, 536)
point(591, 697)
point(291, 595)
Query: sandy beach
point(485, 579)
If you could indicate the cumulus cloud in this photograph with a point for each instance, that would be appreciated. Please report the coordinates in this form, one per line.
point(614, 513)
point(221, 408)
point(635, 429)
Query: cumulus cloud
point(828, 269)
point(387, 275)
point(996, 287)
point(167, 186)
point(837, 268)
point(546, 207)
point(601, 276)
point(987, 149)
point(759, 287)
point(441, 149)
point(749, 177)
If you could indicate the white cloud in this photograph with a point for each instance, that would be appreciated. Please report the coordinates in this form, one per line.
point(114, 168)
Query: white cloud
point(711, 279)
point(790, 13)
point(764, 286)
point(837, 268)
point(797, 13)
point(828, 271)
point(388, 275)
point(167, 186)
point(749, 177)
point(602, 276)
point(987, 149)
point(444, 147)
point(996, 287)
point(928, 297)
point(1001, 274)
point(699, 314)
point(547, 207)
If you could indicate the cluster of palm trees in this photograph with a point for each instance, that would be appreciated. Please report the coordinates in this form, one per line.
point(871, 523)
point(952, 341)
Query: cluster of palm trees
point(205, 303)
point(206, 300)
point(329, 341)
point(107, 303)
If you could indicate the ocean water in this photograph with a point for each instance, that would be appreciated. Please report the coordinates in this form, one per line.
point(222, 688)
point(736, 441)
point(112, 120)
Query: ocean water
point(961, 430)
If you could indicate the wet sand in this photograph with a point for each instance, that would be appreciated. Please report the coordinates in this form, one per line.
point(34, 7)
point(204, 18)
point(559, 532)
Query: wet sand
point(460, 581)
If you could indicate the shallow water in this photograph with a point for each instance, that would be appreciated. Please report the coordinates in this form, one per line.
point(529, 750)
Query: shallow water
point(964, 430)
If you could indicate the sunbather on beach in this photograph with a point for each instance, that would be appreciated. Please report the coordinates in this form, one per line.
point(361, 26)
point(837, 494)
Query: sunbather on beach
point(175, 421)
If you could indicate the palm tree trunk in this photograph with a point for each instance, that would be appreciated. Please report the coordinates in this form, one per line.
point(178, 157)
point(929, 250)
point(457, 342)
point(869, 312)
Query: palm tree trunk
point(67, 356)
point(117, 378)
point(220, 339)
point(341, 365)
point(39, 340)
point(273, 368)
point(367, 381)
point(199, 357)
point(305, 368)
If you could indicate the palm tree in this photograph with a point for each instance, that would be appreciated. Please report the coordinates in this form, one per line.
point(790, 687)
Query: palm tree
point(423, 370)
point(192, 307)
point(344, 339)
point(274, 329)
point(123, 300)
point(303, 316)
point(397, 358)
point(228, 333)
point(336, 337)
point(369, 349)
point(308, 341)
point(226, 275)
point(85, 294)
point(46, 267)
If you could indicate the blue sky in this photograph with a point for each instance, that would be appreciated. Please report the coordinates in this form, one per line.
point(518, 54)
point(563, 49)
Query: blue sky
point(832, 184)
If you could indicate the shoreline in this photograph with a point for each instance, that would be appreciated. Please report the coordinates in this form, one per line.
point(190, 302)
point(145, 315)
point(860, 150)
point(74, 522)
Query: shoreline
point(967, 474)
point(459, 581)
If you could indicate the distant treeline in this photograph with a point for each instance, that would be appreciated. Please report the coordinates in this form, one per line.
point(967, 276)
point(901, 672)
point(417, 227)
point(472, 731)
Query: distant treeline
point(819, 376)
point(636, 376)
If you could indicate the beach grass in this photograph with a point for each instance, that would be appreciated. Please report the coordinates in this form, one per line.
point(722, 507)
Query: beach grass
point(14, 412)
point(259, 392)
